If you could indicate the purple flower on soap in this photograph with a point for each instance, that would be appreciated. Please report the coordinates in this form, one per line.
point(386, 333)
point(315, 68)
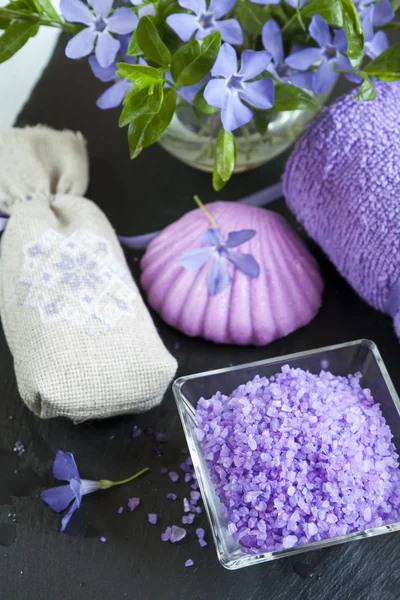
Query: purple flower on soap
point(231, 87)
point(59, 498)
point(329, 55)
point(214, 248)
point(100, 24)
point(206, 20)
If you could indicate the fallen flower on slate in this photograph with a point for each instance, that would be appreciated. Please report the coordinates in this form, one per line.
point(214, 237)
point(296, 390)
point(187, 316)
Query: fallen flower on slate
point(59, 498)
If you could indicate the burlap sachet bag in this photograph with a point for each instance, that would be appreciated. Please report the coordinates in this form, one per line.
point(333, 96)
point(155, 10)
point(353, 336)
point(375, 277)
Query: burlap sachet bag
point(83, 342)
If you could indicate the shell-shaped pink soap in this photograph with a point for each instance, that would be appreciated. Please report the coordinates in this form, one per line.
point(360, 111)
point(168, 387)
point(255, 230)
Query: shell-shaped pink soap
point(286, 294)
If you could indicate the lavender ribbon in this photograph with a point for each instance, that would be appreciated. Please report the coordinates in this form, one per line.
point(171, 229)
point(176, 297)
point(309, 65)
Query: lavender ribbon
point(140, 242)
point(260, 198)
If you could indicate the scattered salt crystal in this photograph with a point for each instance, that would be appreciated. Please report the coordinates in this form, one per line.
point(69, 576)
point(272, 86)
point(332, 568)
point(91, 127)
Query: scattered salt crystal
point(189, 563)
point(172, 496)
point(166, 536)
point(103, 539)
point(163, 471)
point(195, 496)
point(173, 476)
point(120, 510)
point(202, 542)
point(161, 438)
point(136, 432)
point(188, 519)
point(188, 477)
point(19, 447)
point(152, 518)
point(186, 505)
point(177, 345)
point(200, 532)
point(133, 503)
point(177, 533)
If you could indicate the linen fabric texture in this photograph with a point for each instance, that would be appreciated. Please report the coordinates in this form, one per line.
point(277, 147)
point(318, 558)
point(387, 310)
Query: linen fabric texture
point(83, 342)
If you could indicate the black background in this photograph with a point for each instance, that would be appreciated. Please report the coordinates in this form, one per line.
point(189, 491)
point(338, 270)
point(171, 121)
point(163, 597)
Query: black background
point(37, 562)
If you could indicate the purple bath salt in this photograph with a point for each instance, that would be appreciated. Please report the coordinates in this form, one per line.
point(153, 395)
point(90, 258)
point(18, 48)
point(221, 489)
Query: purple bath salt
point(177, 534)
point(173, 476)
point(172, 496)
point(152, 518)
point(298, 458)
point(189, 563)
point(166, 535)
point(188, 519)
point(133, 503)
point(120, 510)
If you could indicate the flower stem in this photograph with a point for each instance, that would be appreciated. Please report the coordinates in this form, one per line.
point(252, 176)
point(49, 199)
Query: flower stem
point(105, 483)
point(207, 212)
point(16, 15)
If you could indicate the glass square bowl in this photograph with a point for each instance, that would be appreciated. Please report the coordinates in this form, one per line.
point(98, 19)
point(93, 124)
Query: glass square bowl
point(360, 355)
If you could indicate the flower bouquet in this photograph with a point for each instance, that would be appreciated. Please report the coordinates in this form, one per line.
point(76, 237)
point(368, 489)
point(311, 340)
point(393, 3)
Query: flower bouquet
point(223, 84)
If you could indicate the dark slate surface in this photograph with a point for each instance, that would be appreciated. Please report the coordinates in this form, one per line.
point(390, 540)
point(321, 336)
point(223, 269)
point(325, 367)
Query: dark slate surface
point(39, 563)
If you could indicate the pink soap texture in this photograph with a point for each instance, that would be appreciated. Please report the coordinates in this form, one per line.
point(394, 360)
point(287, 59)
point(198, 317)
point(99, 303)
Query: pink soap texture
point(299, 458)
point(285, 296)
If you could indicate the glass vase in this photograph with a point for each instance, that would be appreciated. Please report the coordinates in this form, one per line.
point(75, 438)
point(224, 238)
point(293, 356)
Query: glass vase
point(191, 136)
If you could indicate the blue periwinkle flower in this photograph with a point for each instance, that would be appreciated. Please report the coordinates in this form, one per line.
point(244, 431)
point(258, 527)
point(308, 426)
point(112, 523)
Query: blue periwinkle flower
point(59, 498)
point(206, 19)
point(100, 24)
point(231, 87)
point(329, 55)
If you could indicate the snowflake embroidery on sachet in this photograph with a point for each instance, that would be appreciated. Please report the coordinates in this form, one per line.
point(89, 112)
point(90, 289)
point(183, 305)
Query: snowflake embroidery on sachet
point(75, 278)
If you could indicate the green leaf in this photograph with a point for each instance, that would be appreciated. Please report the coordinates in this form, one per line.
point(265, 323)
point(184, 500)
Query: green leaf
point(202, 105)
point(16, 36)
point(194, 60)
point(165, 8)
point(387, 61)
point(291, 97)
point(4, 22)
point(331, 10)
point(224, 159)
point(395, 5)
point(48, 9)
point(150, 42)
point(366, 91)
point(385, 75)
point(252, 16)
point(354, 32)
point(262, 119)
point(146, 129)
point(141, 75)
point(134, 49)
point(135, 106)
point(155, 98)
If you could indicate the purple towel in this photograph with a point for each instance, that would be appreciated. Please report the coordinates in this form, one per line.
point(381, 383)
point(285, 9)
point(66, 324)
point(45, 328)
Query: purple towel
point(343, 184)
